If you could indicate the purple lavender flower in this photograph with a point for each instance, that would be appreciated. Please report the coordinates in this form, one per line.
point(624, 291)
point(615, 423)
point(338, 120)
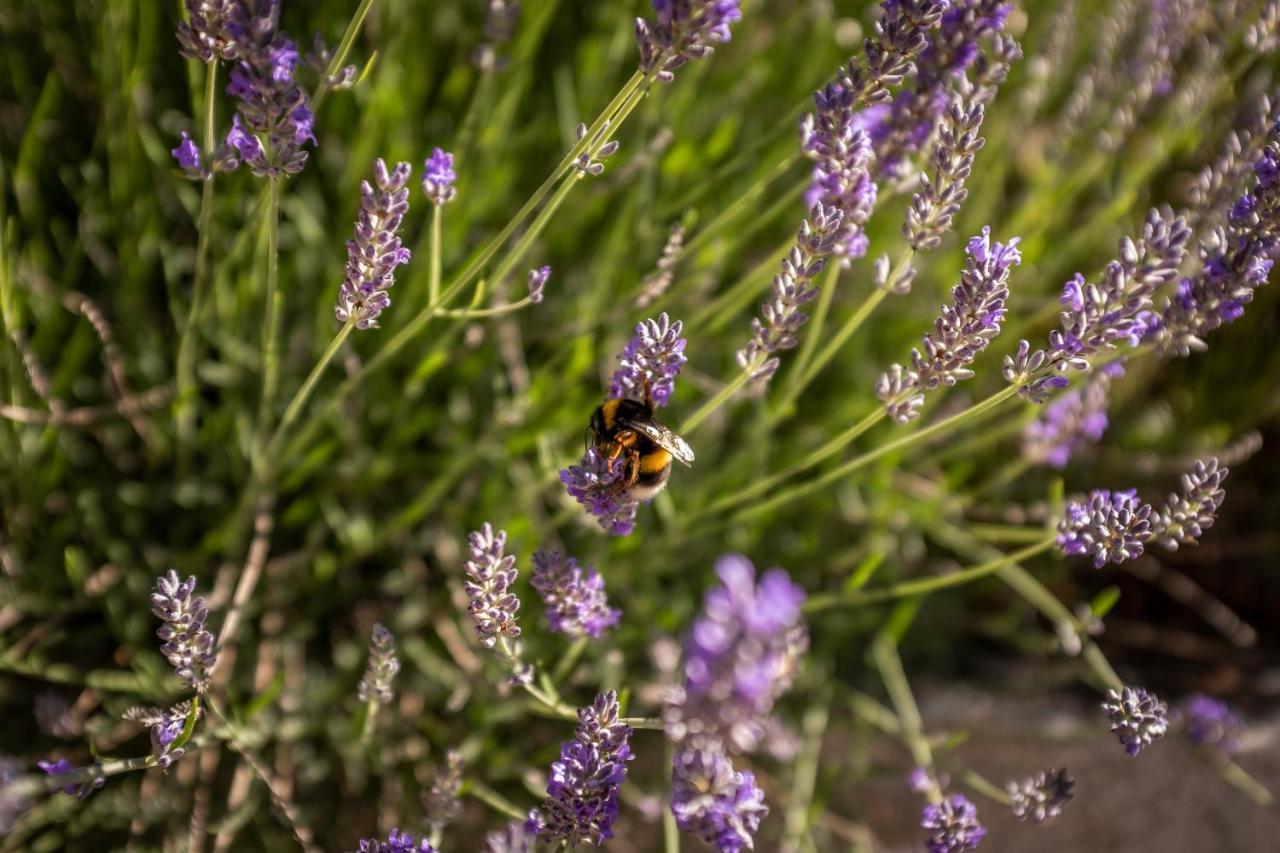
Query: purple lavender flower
point(778, 326)
point(654, 355)
point(714, 802)
point(740, 656)
point(1236, 260)
point(538, 278)
point(187, 645)
point(247, 147)
point(1108, 526)
point(589, 161)
point(940, 196)
point(516, 837)
point(582, 792)
point(189, 159)
point(376, 251)
point(1137, 717)
point(953, 825)
point(438, 177)
point(575, 600)
point(1098, 317)
point(490, 574)
point(397, 842)
point(598, 486)
point(896, 40)
point(1209, 722)
point(210, 32)
point(962, 330)
point(682, 30)
point(841, 152)
point(1184, 517)
point(318, 61)
point(441, 801)
point(58, 768)
point(165, 727)
point(1069, 422)
point(1041, 797)
point(380, 672)
point(271, 102)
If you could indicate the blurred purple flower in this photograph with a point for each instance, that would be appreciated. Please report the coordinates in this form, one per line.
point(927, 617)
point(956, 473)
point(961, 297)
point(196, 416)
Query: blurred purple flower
point(714, 802)
point(538, 278)
point(582, 792)
point(397, 842)
point(381, 670)
point(1041, 797)
point(953, 825)
point(376, 250)
point(1210, 722)
point(58, 768)
point(516, 837)
point(740, 656)
point(575, 600)
point(189, 159)
point(438, 177)
point(1071, 421)
point(1137, 717)
point(682, 30)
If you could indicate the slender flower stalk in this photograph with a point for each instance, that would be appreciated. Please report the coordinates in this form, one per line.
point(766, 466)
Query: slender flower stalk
point(962, 330)
point(574, 598)
point(1137, 717)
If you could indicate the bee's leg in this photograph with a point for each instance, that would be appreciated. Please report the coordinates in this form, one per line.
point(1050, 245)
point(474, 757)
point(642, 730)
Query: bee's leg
point(648, 395)
point(633, 467)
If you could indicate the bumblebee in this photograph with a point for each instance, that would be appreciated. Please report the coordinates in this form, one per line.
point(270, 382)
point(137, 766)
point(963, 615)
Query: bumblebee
point(626, 428)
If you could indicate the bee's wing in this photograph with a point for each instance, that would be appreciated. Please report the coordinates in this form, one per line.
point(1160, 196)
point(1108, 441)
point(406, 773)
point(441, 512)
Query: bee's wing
point(664, 438)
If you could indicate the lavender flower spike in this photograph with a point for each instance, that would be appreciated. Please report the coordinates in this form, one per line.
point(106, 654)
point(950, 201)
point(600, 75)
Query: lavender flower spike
point(1209, 722)
point(741, 655)
point(1137, 717)
point(962, 330)
point(682, 30)
point(939, 198)
point(841, 152)
point(655, 355)
point(397, 842)
point(490, 573)
point(582, 793)
point(1108, 527)
point(438, 177)
point(209, 33)
point(953, 825)
point(778, 326)
point(575, 600)
point(375, 252)
point(597, 486)
point(1041, 797)
point(1185, 517)
point(187, 645)
point(376, 683)
point(166, 726)
point(714, 802)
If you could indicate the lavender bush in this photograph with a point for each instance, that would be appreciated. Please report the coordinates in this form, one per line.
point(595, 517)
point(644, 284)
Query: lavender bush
point(963, 305)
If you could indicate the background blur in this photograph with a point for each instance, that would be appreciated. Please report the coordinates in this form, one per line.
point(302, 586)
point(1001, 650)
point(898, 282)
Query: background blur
point(473, 422)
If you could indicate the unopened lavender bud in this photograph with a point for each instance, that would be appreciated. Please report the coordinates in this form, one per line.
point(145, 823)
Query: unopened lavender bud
point(538, 279)
point(318, 61)
point(187, 645)
point(490, 574)
point(1041, 797)
point(1184, 517)
point(682, 30)
point(438, 177)
point(381, 670)
point(1137, 717)
point(209, 32)
point(589, 162)
point(941, 195)
point(376, 251)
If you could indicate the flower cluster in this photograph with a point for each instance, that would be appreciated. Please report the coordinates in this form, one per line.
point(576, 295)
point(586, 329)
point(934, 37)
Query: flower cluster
point(272, 106)
point(841, 153)
point(1184, 517)
point(1070, 421)
point(376, 251)
point(397, 842)
point(651, 359)
point(441, 801)
point(188, 646)
point(589, 162)
point(598, 486)
point(740, 656)
point(575, 600)
point(897, 38)
point(490, 573)
point(962, 330)
point(939, 198)
point(1107, 527)
point(780, 319)
point(211, 31)
point(165, 726)
point(1236, 260)
point(438, 177)
point(1042, 796)
point(1099, 316)
point(682, 30)
point(1137, 717)
point(582, 792)
point(516, 837)
point(953, 825)
point(714, 802)
point(1209, 722)
point(376, 683)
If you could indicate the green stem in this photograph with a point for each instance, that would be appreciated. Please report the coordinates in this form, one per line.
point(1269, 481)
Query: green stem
point(842, 337)
point(742, 203)
point(705, 411)
point(955, 421)
point(812, 334)
point(805, 775)
point(670, 832)
point(370, 718)
point(924, 586)
point(494, 800)
point(985, 787)
point(433, 284)
point(271, 321)
point(303, 393)
point(481, 313)
point(187, 399)
point(567, 661)
point(884, 651)
point(340, 55)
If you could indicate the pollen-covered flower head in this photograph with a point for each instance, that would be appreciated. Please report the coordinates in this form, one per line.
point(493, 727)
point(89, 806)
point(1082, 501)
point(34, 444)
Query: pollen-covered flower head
point(1137, 717)
point(714, 802)
point(1107, 526)
point(574, 598)
point(654, 355)
point(953, 825)
point(741, 655)
point(1042, 796)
